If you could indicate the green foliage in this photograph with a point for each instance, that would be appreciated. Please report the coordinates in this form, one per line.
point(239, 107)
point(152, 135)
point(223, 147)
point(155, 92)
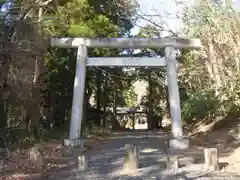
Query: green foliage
point(211, 76)
point(82, 18)
point(130, 97)
point(206, 106)
point(95, 131)
point(18, 138)
point(2, 2)
point(199, 106)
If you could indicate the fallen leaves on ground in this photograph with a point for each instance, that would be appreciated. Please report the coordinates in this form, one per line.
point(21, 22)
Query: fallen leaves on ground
point(57, 157)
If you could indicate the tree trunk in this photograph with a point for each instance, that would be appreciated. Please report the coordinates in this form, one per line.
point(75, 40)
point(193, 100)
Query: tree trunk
point(105, 102)
point(3, 114)
point(215, 67)
point(98, 96)
point(115, 123)
point(150, 103)
point(87, 95)
point(34, 107)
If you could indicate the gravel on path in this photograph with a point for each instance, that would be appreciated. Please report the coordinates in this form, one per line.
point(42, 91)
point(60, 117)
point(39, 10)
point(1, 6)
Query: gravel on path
point(105, 162)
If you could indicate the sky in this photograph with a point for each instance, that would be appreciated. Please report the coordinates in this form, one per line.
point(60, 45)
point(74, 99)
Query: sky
point(169, 10)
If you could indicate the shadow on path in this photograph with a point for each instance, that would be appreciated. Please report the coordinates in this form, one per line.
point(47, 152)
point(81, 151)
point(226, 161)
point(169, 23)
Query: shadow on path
point(106, 161)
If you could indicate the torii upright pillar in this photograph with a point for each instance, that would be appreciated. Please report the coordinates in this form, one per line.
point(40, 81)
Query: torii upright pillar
point(178, 140)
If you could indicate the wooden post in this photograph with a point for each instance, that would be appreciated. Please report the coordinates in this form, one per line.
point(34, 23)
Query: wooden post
point(131, 159)
point(82, 163)
point(211, 159)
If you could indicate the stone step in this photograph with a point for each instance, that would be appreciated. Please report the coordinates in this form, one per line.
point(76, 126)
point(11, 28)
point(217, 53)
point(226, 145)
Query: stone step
point(189, 151)
point(187, 156)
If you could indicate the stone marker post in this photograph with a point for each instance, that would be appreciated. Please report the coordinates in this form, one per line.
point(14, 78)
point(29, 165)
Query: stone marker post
point(82, 162)
point(211, 159)
point(131, 158)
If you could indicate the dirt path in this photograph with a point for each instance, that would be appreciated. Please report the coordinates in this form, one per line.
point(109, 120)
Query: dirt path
point(106, 160)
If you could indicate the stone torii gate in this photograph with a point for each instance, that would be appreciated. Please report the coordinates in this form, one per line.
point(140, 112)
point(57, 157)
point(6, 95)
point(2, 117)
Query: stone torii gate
point(170, 44)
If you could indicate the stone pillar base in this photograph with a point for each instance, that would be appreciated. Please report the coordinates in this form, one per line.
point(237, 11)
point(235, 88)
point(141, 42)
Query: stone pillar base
point(74, 143)
point(172, 162)
point(179, 143)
